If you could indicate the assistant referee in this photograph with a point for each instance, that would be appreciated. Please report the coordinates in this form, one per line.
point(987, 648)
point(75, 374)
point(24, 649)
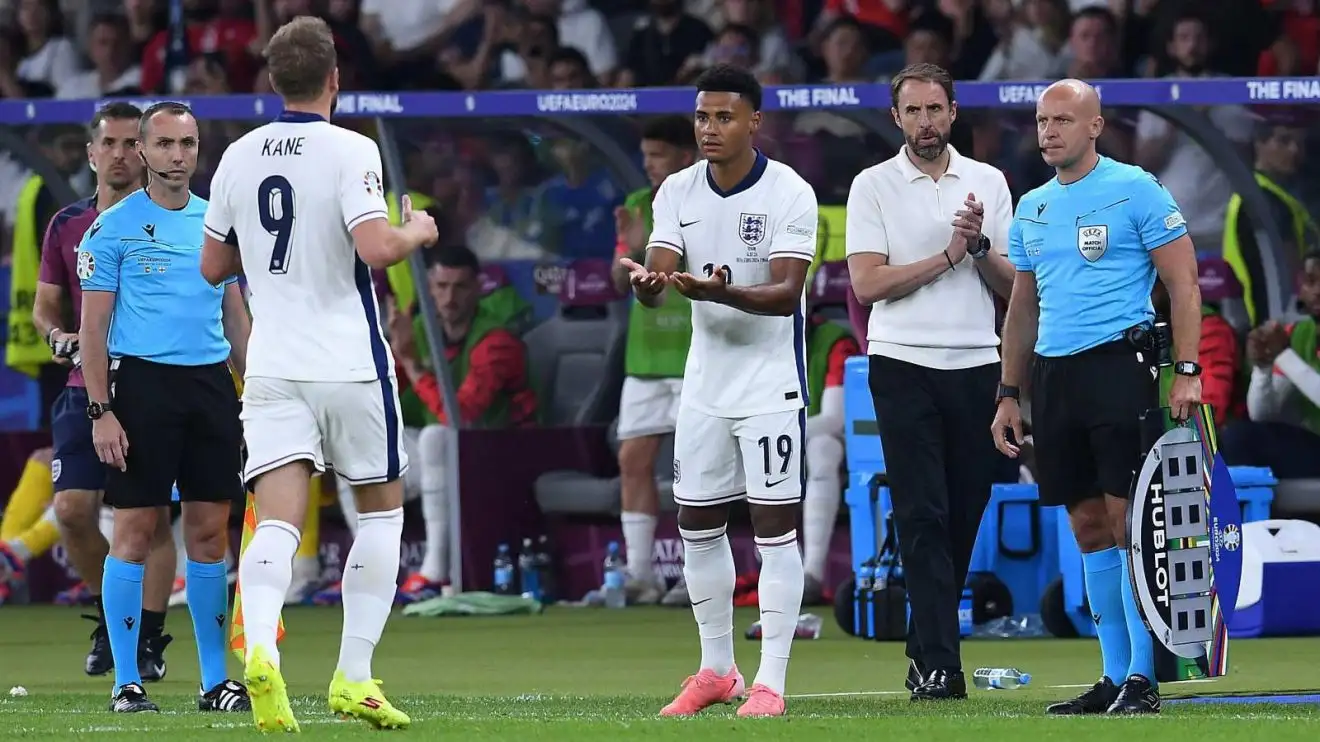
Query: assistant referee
point(1087, 246)
point(162, 400)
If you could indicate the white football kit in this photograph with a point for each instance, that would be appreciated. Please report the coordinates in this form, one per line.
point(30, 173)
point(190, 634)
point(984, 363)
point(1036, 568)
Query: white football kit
point(320, 382)
point(743, 406)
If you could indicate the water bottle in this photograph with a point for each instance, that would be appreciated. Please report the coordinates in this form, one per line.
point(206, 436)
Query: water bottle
point(862, 599)
point(614, 578)
point(528, 576)
point(1000, 678)
point(504, 572)
point(965, 613)
point(545, 569)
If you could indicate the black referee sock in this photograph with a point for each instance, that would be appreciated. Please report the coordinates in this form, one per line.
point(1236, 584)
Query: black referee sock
point(153, 624)
point(100, 608)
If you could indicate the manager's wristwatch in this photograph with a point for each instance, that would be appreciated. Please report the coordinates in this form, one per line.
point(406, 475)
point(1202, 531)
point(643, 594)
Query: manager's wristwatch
point(1006, 392)
point(96, 409)
point(981, 249)
point(1187, 368)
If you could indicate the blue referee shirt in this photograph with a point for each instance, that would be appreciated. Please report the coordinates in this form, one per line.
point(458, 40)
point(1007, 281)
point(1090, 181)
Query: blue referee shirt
point(1089, 245)
point(150, 257)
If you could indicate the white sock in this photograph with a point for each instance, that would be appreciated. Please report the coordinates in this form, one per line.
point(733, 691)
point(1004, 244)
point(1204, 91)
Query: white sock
point(639, 544)
point(710, 573)
point(347, 505)
point(435, 503)
point(371, 577)
point(820, 508)
point(265, 572)
point(779, 592)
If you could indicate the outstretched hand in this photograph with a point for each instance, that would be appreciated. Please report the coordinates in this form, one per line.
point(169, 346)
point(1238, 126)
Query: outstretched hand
point(701, 289)
point(644, 281)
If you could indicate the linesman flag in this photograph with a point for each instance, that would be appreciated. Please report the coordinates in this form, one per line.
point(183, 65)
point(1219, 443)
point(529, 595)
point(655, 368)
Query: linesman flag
point(236, 643)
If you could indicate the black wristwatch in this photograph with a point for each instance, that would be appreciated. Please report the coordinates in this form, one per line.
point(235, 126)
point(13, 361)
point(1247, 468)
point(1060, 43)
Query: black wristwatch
point(1187, 368)
point(982, 248)
point(1007, 392)
point(96, 409)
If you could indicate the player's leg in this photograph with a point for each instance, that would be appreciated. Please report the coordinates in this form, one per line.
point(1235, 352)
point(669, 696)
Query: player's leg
point(646, 412)
point(1131, 389)
point(772, 458)
point(284, 449)
point(363, 432)
point(307, 560)
point(157, 586)
point(708, 475)
point(208, 489)
point(1066, 475)
point(427, 450)
point(820, 508)
point(24, 533)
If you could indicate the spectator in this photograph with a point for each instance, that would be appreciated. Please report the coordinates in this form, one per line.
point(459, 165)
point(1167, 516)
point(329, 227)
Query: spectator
point(1030, 42)
point(931, 40)
point(406, 32)
point(1284, 396)
point(734, 45)
point(1197, 183)
point(1296, 49)
point(664, 42)
point(884, 22)
point(221, 26)
point(48, 57)
point(583, 28)
point(569, 70)
point(535, 40)
point(12, 45)
point(145, 19)
point(518, 222)
point(773, 52)
point(584, 197)
point(114, 68)
point(1093, 46)
point(844, 49)
point(1280, 149)
point(974, 39)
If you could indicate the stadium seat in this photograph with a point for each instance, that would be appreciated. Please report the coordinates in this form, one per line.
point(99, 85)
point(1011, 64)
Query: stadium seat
point(1220, 288)
point(567, 492)
point(577, 354)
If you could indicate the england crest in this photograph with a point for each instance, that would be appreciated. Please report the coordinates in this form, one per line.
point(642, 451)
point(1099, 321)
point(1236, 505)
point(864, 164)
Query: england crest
point(751, 228)
point(1093, 241)
point(1184, 540)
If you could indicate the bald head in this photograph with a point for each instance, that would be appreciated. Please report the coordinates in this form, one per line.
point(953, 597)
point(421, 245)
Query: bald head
point(1075, 95)
point(1068, 122)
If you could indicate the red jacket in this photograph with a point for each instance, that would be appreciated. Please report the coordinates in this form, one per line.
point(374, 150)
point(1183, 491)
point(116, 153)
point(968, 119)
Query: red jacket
point(1221, 367)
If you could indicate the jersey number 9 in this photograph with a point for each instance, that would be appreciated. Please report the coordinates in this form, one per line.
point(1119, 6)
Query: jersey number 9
point(709, 269)
point(275, 207)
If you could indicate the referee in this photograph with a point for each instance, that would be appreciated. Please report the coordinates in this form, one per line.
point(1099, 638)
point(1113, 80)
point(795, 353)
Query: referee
point(916, 252)
point(1087, 246)
point(162, 400)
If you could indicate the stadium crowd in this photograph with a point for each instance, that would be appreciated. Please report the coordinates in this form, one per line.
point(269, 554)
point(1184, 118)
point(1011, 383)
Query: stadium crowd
point(529, 192)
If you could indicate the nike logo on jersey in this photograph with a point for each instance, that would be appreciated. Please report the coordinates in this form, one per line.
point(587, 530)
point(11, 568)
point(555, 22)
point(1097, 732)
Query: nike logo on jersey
point(775, 483)
point(682, 224)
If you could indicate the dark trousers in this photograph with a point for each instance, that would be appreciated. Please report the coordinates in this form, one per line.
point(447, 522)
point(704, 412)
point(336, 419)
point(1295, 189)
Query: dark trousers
point(1290, 451)
point(941, 462)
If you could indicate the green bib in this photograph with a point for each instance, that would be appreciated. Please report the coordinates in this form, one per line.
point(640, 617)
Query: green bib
point(1303, 343)
point(823, 338)
point(658, 338)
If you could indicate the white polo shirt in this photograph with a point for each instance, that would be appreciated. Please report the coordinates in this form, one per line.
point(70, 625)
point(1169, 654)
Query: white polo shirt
point(894, 209)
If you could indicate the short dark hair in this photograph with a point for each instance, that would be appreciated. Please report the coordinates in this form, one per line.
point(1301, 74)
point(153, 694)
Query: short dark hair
point(299, 58)
point(935, 23)
point(551, 23)
point(725, 78)
point(572, 56)
point(922, 72)
point(114, 111)
point(171, 107)
point(453, 256)
point(1099, 13)
point(672, 130)
point(115, 20)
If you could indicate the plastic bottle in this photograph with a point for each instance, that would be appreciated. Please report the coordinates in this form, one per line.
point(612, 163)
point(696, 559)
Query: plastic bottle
point(504, 580)
point(528, 576)
point(1000, 678)
point(545, 569)
point(612, 590)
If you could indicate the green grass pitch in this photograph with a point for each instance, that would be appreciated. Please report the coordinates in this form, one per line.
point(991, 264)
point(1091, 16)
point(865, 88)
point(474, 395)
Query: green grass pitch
point(581, 675)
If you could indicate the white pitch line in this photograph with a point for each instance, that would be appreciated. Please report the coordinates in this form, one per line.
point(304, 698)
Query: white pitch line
point(859, 693)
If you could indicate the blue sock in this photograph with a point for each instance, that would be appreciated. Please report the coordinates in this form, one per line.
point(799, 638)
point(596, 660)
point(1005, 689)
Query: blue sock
point(1104, 573)
point(208, 602)
point(1143, 651)
point(121, 596)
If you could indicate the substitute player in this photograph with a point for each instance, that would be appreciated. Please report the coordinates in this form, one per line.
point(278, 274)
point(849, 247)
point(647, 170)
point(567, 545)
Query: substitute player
point(77, 473)
point(1087, 246)
point(747, 224)
point(302, 201)
point(161, 400)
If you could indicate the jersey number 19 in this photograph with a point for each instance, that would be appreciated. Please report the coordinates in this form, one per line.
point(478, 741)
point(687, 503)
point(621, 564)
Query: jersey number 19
point(275, 207)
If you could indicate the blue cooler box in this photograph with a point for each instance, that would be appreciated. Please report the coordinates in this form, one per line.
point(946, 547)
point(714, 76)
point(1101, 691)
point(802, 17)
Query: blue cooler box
point(1280, 575)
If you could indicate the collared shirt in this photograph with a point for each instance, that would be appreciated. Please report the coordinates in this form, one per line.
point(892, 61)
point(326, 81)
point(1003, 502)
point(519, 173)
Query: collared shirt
point(898, 211)
point(150, 258)
point(59, 255)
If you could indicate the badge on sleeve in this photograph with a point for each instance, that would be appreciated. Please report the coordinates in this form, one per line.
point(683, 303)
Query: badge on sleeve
point(1093, 241)
point(86, 265)
point(372, 183)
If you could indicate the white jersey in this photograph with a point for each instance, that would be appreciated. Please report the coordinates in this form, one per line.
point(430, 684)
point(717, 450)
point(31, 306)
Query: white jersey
point(288, 194)
point(740, 364)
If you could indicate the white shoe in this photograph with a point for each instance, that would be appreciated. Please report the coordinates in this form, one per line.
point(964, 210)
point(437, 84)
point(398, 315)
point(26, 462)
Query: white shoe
point(677, 596)
point(306, 573)
point(180, 595)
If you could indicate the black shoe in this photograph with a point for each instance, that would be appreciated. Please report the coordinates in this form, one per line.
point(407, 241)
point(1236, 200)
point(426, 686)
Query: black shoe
point(132, 699)
point(941, 685)
point(100, 660)
point(1096, 700)
point(914, 677)
point(151, 657)
point(1137, 695)
point(227, 696)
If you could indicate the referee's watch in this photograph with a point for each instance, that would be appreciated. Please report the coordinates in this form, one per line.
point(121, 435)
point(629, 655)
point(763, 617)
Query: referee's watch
point(982, 248)
point(96, 409)
point(1007, 392)
point(1187, 368)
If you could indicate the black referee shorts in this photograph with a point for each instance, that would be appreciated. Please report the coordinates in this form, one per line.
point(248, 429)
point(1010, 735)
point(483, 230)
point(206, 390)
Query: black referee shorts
point(1085, 421)
point(182, 426)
